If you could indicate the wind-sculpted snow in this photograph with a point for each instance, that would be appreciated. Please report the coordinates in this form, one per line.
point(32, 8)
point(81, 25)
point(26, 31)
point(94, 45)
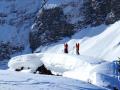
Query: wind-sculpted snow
point(106, 74)
point(24, 81)
point(54, 62)
point(30, 61)
point(73, 66)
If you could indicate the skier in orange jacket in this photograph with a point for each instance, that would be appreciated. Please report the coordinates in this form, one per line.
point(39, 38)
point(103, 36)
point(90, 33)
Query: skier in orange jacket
point(77, 48)
point(65, 48)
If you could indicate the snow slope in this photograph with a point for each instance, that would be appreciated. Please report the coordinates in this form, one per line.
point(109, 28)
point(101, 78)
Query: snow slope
point(99, 42)
point(24, 81)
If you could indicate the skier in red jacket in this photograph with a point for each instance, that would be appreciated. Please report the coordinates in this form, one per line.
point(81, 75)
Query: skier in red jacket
point(65, 48)
point(77, 48)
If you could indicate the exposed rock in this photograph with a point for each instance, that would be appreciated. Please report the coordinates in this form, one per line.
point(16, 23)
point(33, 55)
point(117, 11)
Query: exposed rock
point(50, 26)
point(19, 69)
point(43, 70)
point(7, 49)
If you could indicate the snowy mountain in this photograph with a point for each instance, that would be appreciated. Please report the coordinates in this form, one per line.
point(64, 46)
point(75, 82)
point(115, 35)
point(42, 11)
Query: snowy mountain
point(94, 24)
point(17, 18)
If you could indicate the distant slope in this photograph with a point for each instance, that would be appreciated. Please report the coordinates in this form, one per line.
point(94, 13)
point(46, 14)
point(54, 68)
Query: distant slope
point(100, 42)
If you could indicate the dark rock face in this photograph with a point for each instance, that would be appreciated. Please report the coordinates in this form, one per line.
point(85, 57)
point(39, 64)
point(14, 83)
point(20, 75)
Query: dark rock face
point(43, 70)
point(7, 49)
point(96, 12)
point(19, 69)
point(50, 26)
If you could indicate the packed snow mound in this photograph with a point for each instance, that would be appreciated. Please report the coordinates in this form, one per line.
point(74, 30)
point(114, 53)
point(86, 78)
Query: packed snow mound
point(12, 80)
point(88, 69)
point(99, 42)
point(30, 61)
point(54, 62)
point(105, 75)
point(65, 62)
point(105, 68)
point(105, 80)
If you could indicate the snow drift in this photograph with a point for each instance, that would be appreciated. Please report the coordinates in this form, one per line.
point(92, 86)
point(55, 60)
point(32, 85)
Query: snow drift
point(88, 69)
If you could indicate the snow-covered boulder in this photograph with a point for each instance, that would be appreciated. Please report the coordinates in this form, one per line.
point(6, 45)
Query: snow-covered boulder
point(80, 67)
point(57, 63)
point(30, 62)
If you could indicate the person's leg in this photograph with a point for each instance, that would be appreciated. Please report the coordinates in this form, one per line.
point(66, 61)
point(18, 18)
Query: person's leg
point(78, 52)
point(65, 51)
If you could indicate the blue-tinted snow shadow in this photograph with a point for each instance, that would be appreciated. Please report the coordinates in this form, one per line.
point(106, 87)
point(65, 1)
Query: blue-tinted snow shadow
point(90, 32)
point(87, 32)
point(80, 34)
point(4, 64)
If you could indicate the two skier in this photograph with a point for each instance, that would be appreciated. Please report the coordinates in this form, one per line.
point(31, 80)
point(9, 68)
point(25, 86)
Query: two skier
point(77, 48)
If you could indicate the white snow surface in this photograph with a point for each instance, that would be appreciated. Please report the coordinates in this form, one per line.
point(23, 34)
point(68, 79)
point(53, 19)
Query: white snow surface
point(54, 62)
point(24, 81)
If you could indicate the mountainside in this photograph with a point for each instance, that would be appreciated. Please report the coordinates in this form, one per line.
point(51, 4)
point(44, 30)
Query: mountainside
point(75, 15)
point(44, 33)
point(27, 27)
point(101, 42)
point(56, 21)
point(16, 18)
